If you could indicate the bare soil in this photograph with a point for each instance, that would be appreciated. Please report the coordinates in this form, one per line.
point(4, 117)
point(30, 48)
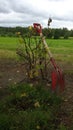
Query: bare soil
point(13, 72)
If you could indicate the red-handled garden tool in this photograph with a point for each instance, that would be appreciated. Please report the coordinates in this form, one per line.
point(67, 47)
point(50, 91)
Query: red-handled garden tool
point(57, 74)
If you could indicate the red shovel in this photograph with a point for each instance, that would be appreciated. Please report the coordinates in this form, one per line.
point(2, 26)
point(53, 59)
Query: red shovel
point(57, 74)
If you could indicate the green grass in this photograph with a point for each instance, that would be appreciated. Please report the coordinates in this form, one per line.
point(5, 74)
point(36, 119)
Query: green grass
point(61, 49)
point(30, 108)
point(8, 46)
point(60, 43)
point(7, 54)
point(8, 43)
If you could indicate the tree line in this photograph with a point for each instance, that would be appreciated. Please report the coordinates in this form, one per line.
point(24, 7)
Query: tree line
point(48, 32)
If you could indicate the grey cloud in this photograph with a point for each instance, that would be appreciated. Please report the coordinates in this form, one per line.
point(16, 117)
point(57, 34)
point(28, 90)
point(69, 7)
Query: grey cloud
point(4, 7)
point(56, 0)
point(63, 18)
point(4, 10)
point(32, 12)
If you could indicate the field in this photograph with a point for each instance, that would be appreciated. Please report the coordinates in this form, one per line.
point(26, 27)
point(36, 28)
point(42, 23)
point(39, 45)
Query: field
point(8, 47)
point(61, 49)
point(12, 71)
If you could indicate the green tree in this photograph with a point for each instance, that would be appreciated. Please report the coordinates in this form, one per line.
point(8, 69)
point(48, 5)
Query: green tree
point(56, 34)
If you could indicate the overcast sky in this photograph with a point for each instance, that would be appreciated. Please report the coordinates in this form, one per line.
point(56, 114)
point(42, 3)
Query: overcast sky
point(26, 12)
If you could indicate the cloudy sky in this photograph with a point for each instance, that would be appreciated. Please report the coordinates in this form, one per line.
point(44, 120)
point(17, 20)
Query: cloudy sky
point(26, 12)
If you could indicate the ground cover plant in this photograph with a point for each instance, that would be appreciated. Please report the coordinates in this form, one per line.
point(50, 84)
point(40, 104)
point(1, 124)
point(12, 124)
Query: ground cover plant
point(30, 107)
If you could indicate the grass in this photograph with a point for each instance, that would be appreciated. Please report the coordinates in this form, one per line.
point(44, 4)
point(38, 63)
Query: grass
point(61, 43)
point(8, 43)
point(30, 108)
point(8, 46)
point(61, 49)
point(7, 54)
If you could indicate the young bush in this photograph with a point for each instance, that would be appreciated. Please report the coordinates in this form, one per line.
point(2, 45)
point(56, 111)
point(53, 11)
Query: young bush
point(32, 52)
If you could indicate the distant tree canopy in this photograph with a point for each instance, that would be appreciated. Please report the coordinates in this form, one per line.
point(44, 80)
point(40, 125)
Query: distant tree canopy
point(48, 32)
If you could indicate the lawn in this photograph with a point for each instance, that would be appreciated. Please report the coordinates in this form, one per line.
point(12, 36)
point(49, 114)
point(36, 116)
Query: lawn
point(61, 49)
point(8, 43)
point(8, 47)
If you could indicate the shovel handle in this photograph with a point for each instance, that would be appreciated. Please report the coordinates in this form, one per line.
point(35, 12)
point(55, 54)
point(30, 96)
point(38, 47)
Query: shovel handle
point(38, 28)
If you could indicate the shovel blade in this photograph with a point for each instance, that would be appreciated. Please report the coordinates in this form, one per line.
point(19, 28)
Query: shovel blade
point(61, 81)
point(54, 80)
point(58, 80)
